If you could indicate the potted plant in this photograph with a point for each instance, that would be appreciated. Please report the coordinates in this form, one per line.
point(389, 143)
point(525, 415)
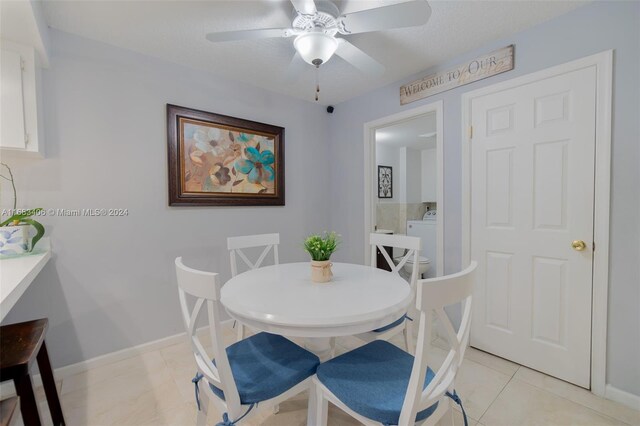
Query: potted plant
point(320, 247)
point(14, 231)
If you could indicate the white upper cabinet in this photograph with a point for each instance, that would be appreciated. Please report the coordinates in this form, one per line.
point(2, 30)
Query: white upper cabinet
point(24, 47)
point(12, 129)
point(429, 176)
point(19, 131)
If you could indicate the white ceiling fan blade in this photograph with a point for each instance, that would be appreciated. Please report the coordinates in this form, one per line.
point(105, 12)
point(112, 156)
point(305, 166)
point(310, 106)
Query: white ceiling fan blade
point(407, 14)
point(249, 34)
point(358, 58)
point(305, 7)
point(296, 67)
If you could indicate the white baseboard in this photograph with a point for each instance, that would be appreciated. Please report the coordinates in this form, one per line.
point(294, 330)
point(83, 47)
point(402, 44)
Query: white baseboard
point(7, 388)
point(623, 397)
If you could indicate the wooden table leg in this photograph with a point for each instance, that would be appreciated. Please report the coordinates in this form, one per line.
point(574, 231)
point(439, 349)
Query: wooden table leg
point(49, 383)
point(28, 405)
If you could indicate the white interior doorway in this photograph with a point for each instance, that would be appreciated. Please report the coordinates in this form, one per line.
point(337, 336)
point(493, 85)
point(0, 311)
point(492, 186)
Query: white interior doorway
point(410, 146)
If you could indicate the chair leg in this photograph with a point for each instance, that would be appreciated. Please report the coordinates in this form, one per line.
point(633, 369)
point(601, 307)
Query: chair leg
point(276, 409)
point(28, 405)
point(240, 331)
point(408, 337)
point(318, 407)
point(332, 343)
point(201, 418)
point(49, 383)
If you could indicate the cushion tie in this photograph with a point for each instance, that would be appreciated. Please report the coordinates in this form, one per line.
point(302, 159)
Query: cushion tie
point(195, 381)
point(454, 396)
point(225, 418)
point(225, 421)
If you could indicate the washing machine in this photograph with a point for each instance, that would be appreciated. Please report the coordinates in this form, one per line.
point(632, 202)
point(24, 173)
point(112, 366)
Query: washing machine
point(426, 229)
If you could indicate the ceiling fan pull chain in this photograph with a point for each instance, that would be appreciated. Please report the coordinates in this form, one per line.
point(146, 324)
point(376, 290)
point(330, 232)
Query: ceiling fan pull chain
point(317, 84)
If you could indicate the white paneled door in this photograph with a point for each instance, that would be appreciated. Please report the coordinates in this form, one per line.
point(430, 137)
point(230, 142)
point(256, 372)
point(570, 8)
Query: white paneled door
point(532, 195)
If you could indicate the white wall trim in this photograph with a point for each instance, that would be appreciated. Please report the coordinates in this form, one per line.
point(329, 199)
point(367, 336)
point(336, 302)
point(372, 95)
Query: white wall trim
point(604, 71)
point(623, 397)
point(370, 192)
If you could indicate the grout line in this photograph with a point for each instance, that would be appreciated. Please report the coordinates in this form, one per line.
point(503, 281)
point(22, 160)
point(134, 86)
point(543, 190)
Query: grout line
point(498, 395)
point(553, 394)
point(510, 376)
point(513, 376)
point(497, 357)
point(557, 394)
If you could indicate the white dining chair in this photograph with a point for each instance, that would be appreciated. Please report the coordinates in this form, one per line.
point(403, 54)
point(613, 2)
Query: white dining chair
point(411, 247)
point(380, 383)
point(262, 370)
point(235, 245)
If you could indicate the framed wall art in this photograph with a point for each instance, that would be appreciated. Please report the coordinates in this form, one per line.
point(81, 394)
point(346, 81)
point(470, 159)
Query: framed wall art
point(385, 182)
point(217, 160)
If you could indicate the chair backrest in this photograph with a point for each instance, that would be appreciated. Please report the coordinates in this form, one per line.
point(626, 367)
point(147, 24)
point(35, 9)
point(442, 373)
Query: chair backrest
point(204, 288)
point(236, 244)
point(433, 295)
point(411, 245)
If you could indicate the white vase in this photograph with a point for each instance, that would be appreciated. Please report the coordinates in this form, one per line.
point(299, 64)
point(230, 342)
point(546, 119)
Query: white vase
point(14, 240)
point(321, 271)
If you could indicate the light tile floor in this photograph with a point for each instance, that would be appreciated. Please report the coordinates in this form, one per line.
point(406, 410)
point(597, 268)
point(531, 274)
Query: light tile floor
point(155, 388)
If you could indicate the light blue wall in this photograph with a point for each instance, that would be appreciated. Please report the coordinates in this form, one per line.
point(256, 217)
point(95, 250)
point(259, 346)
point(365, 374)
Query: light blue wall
point(111, 283)
point(585, 31)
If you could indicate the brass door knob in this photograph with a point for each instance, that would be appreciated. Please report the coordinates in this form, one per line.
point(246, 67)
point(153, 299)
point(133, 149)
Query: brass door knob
point(578, 245)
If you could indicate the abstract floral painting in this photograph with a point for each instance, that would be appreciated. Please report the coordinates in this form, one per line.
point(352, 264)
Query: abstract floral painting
point(385, 182)
point(224, 160)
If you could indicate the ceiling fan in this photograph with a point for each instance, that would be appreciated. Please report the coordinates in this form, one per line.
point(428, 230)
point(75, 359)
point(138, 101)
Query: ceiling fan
point(316, 25)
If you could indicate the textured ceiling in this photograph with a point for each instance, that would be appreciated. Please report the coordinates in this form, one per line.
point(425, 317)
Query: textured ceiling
point(175, 31)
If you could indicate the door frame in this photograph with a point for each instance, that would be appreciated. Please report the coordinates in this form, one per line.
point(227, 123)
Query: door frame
point(603, 62)
point(370, 173)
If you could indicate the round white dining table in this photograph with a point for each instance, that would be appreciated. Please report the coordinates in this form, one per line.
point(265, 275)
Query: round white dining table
point(282, 299)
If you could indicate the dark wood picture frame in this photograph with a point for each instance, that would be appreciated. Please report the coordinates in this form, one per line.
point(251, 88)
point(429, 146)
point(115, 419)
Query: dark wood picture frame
point(227, 174)
point(385, 182)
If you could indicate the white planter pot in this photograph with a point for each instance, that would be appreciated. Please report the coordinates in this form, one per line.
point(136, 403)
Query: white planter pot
point(14, 240)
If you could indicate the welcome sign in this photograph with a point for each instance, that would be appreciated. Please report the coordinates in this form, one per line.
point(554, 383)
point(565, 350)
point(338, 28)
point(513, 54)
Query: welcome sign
point(482, 67)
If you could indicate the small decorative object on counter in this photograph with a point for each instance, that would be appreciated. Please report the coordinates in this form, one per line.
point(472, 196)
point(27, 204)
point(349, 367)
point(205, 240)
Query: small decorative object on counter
point(320, 247)
point(14, 231)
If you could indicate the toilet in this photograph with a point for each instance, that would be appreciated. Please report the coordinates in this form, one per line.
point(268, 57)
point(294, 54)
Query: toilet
point(426, 230)
point(423, 267)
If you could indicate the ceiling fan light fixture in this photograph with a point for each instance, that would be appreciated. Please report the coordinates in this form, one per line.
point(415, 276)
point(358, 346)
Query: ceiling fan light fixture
point(316, 47)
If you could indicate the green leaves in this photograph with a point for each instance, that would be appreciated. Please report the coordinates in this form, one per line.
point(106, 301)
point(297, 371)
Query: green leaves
point(320, 247)
point(25, 218)
point(20, 216)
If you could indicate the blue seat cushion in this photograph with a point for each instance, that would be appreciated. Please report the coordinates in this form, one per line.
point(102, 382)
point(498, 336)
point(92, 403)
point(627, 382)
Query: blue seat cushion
point(372, 380)
point(389, 326)
point(266, 365)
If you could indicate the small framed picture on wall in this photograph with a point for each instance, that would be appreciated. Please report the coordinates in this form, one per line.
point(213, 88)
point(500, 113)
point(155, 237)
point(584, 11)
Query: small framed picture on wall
point(385, 182)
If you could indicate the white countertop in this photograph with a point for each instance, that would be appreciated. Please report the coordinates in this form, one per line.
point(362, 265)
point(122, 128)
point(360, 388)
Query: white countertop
point(16, 274)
